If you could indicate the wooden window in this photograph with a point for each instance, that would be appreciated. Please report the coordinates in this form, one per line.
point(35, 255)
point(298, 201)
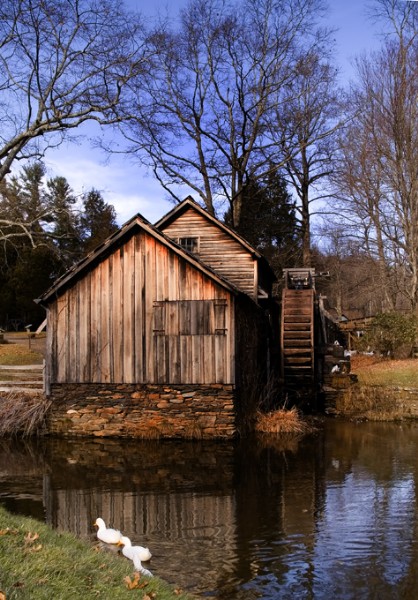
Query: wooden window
point(191, 244)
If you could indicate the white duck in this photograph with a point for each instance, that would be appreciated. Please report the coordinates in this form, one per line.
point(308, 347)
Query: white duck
point(134, 551)
point(138, 566)
point(105, 534)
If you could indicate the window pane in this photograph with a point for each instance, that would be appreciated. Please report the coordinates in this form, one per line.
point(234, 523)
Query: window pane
point(189, 243)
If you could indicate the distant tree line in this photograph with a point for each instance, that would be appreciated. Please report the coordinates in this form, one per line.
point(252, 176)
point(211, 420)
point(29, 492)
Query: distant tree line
point(50, 229)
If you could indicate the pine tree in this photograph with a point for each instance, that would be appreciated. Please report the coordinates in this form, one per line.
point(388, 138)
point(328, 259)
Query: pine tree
point(98, 221)
point(268, 222)
point(66, 232)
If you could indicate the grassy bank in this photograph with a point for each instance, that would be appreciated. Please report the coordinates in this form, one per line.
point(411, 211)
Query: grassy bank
point(377, 371)
point(38, 563)
point(387, 390)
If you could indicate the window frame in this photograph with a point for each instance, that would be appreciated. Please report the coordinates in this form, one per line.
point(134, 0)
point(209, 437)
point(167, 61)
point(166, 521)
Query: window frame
point(184, 243)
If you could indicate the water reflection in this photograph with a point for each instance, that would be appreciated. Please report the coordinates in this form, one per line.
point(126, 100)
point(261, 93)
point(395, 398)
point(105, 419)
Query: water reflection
point(331, 515)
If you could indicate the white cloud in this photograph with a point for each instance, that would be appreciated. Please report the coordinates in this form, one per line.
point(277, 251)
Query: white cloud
point(127, 187)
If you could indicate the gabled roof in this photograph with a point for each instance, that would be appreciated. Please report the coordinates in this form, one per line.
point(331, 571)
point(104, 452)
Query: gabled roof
point(138, 222)
point(187, 203)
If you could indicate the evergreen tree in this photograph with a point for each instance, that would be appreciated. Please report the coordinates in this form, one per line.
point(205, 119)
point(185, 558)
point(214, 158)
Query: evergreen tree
point(98, 220)
point(23, 211)
point(66, 230)
point(30, 193)
point(268, 222)
point(47, 237)
point(32, 274)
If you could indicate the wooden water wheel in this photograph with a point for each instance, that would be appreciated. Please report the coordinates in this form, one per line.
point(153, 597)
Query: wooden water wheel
point(297, 330)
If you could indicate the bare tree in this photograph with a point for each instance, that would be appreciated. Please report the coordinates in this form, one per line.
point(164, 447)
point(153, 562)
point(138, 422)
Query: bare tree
point(358, 180)
point(62, 62)
point(398, 19)
point(378, 168)
point(214, 88)
point(354, 287)
point(306, 127)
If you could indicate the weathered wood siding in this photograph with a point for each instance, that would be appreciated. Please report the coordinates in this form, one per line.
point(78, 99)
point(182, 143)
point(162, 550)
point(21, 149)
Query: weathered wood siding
point(221, 251)
point(142, 315)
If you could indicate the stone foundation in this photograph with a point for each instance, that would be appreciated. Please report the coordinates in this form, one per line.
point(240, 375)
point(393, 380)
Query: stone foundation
point(142, 411)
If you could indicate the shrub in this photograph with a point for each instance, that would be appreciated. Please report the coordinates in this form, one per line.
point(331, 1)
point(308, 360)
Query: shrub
point(392, 333)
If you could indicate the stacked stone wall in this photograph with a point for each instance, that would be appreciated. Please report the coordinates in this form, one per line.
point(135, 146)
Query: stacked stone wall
point(143, 411)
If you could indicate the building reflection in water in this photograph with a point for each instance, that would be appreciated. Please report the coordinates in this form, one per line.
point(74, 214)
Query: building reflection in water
point(239, 521)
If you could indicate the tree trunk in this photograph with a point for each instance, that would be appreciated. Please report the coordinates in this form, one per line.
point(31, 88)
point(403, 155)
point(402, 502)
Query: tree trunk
point(305, 226)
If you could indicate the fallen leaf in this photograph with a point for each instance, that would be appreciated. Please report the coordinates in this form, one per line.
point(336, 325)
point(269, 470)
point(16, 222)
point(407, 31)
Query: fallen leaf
point(135, 583)
point(31, 537)
point(131, 584)
point(8, 531)
point(178, 592)
point(2, 596)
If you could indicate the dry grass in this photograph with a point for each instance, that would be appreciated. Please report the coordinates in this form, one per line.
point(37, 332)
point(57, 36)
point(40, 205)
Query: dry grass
point(19, 354)
point(374, 370)
point(371, 403)
point(373, 398)
point(282, 421)
point(19, 350)
point(22, 414)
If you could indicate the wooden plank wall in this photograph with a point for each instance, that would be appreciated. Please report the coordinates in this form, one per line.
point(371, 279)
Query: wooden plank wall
point(142, 315)
point(218, 249)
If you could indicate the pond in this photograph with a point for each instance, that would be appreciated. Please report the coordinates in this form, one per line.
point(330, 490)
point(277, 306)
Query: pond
point(330, 515)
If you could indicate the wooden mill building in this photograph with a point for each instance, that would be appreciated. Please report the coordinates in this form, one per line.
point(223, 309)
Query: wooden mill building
point(162, 330)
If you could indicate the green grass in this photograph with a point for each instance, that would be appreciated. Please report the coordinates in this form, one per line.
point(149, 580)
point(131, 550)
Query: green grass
point(38, 563)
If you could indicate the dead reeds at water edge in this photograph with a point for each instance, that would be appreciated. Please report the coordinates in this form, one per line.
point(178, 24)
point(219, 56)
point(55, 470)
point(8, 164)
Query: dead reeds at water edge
point(283, 421)
point(22, 413)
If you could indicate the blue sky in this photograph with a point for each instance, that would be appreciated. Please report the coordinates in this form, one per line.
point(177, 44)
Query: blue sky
point(129, 188)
